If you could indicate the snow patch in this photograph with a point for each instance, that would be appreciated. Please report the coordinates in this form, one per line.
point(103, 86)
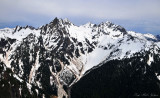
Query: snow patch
point(150, 60)
point(29, 86)
point(14, 75)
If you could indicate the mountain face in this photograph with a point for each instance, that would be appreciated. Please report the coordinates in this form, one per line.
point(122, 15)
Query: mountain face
point(125, 78)
point(48, 61)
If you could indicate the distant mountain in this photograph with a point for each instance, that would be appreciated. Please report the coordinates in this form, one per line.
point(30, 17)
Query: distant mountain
point(47, 61)
point(158, 37)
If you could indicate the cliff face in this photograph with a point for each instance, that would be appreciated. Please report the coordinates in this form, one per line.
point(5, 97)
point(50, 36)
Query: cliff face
point(49, 60)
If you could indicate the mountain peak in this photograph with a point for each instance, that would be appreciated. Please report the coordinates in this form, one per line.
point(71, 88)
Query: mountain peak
point(66, 20)
point(89, 24)
point(58, 54)
point(60, 22)
point(55, 21)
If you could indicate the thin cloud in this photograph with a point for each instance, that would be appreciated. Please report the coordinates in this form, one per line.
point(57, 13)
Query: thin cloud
point(122, 9)
point(26, 10)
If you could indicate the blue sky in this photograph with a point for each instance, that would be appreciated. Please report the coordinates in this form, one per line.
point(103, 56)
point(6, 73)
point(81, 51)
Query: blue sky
point(136, 15)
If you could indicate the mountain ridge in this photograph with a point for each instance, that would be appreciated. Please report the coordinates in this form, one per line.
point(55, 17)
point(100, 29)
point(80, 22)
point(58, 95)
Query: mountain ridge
point(61, 53)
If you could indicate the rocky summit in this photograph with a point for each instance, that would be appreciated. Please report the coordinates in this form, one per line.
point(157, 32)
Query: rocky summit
point(63, 60)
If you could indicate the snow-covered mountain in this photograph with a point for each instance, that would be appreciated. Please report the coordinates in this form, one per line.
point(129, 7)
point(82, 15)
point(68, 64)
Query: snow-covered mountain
point(50, 59)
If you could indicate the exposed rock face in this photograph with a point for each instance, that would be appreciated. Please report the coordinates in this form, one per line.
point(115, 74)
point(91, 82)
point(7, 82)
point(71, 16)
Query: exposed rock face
point(47, 61)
